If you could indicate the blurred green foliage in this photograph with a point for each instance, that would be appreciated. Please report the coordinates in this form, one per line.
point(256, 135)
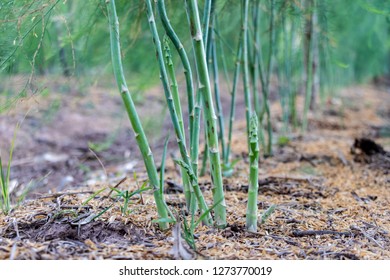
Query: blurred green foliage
point(71, 37)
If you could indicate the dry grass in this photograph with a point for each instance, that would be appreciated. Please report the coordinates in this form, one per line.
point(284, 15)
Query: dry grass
point(330, 204)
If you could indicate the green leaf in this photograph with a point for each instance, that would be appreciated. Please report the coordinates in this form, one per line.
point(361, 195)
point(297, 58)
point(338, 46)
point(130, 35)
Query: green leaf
point(93, 196)
point(102, 212)
point(163, 220)
point(122, 193)
point(267, 213)
point(204, 214)
point(2, 176)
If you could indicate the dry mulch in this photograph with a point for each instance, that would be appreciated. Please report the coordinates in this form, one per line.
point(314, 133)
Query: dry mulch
point(331, 196)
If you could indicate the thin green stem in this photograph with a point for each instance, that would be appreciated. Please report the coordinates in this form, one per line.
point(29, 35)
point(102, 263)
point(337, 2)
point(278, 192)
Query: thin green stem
point(172, 111)
point(195, 133)
point(186, 65)
point(207, 17)
point(140, 136)
point(247, 93)
point(176, 102)
point(257, 69)
point(210, 117)
point(251, 211)
point(265, 79)
point(217, 94)
point(205, 158)
point(287, 73)
point(255, 72)
point(308, 46)
point(214, 69)
point(233, 100)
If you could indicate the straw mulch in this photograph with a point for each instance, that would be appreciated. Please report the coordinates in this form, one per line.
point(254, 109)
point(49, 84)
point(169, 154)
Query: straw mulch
point(332, 199)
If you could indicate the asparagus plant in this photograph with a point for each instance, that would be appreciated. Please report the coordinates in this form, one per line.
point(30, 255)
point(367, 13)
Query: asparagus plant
point(215, 72)
point(257, 68)
point(269, 72)
point(207, 27)
point(173, 114)
point(186, 64)
point(293, 83)
point(226, 160)
point(265, 76)
point(308, 58)
point(209, 112)
point(247, 93)
point(284, 76)
point(177, 105)
point(174, 87)
point(140, 136)
point(251, 211)
point(209, 6)
point(256, 54)
point(205, 158)
point(194, 109)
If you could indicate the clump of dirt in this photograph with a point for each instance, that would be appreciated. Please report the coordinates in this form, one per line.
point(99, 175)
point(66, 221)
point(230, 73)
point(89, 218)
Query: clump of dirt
point(367, 146)
point(367, 151)
point(96, 231)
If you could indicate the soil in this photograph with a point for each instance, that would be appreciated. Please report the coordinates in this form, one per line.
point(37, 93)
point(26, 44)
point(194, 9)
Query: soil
point(330, 186)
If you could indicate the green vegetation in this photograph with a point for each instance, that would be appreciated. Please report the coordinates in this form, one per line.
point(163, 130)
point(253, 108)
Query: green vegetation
point(209, 112)
point(5, 201)
point(251, 212)
point(132, 113)
point(174, 115)
point(279, 50)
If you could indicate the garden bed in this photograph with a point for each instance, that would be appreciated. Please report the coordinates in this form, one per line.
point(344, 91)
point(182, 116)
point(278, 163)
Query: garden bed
point(331, 196)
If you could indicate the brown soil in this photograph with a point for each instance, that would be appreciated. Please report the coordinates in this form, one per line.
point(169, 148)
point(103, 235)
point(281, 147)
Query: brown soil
point(330, 188)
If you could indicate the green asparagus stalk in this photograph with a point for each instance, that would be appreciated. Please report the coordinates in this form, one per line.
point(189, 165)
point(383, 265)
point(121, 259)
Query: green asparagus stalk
point(292, 78)
point(265, 80)
point(207, 19)
point(251, 211)
point(140, 136)
point(203, 168)
point(208, 30)
point(210, 117)
point(195, 133)
point(186, 65)
point(287, 73)
point(194, 109)
point(257, 65)
point(247, 93)
point(173, 85)
point(174, 117)
point(255, 72)
point(176, 103)
point(269, 72)
point(308, 53)
point(215, 73)
point(233, 101)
